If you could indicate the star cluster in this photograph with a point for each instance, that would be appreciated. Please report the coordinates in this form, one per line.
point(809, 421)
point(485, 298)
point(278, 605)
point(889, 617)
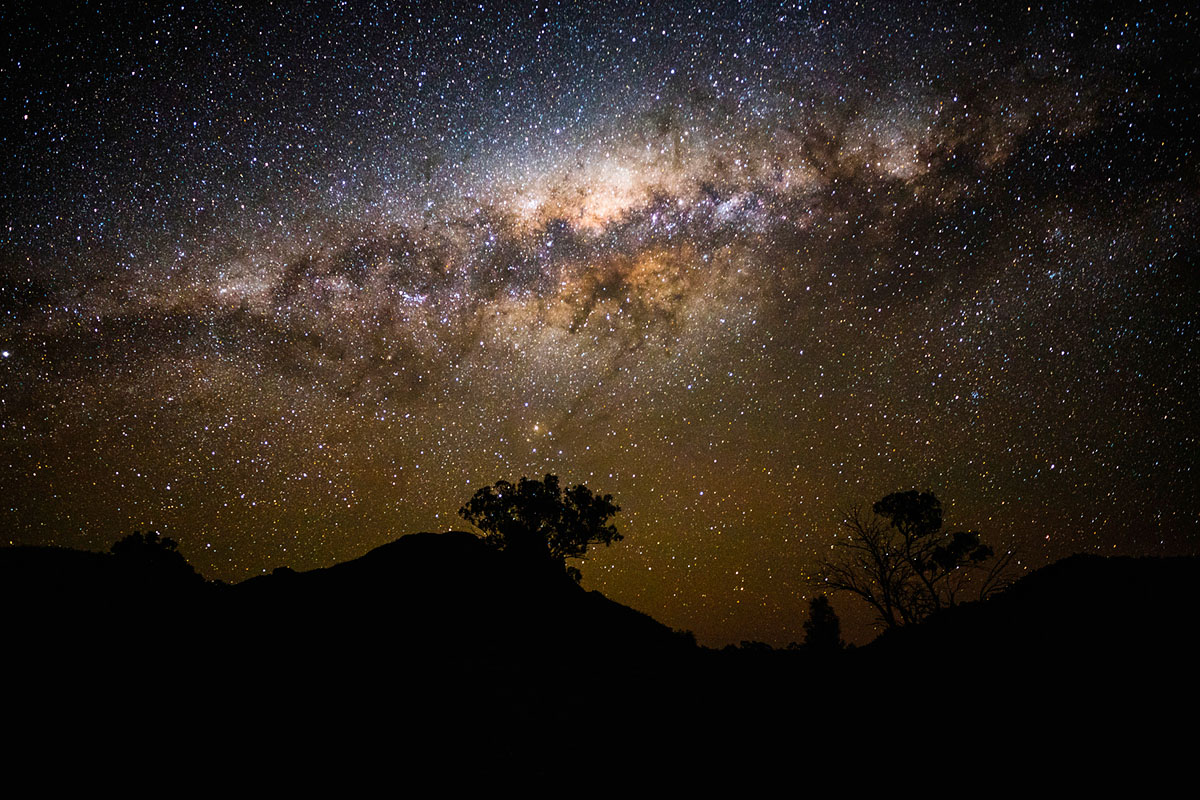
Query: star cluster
point(289, 280)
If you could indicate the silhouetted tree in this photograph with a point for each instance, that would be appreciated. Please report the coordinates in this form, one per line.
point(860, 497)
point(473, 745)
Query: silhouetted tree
point(900, 562)
point(153, 551)
point(538, 521)
point(822, 629)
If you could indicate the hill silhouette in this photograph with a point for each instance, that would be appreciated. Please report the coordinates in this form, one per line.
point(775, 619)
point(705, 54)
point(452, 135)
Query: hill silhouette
point(434, 637)
point(450, 591)
point(423, 593)
point(1082, 607)
point(1097, 638)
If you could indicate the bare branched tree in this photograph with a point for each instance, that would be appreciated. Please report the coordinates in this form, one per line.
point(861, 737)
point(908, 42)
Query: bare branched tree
point(898, 560)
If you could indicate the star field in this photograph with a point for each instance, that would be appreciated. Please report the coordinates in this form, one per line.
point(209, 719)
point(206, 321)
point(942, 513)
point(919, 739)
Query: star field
point(286, 282)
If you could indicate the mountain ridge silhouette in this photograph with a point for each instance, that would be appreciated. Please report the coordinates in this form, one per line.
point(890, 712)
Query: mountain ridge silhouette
point(432, 635)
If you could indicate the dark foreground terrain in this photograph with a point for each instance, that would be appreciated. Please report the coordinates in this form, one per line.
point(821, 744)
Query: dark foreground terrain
point(435, 656)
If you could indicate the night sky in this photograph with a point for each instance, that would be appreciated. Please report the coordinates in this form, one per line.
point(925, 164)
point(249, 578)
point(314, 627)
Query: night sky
point(286, 281)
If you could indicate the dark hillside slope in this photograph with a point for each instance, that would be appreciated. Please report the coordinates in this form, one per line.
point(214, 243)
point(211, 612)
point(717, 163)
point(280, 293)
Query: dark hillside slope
point(1079, 607)
point(1094, 636)
point(428, 593)
point(436, 639)
point(426, 608)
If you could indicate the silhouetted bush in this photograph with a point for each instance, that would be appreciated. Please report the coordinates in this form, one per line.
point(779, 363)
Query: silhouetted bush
point(153, 553)
point(822, 629)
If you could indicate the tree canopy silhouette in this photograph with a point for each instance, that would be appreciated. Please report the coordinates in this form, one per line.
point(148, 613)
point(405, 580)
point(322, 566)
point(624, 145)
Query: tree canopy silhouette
point(153, 551)
point(822, 629)
point(899, 561)
point(538, 521)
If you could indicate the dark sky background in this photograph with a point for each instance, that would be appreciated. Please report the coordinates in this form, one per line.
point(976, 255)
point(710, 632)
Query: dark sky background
point(286, 281)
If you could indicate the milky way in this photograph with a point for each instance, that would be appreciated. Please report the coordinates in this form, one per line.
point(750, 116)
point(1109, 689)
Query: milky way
point(287, 283)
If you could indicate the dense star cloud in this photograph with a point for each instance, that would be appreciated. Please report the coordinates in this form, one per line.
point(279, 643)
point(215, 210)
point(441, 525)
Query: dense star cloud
point(287, 282)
